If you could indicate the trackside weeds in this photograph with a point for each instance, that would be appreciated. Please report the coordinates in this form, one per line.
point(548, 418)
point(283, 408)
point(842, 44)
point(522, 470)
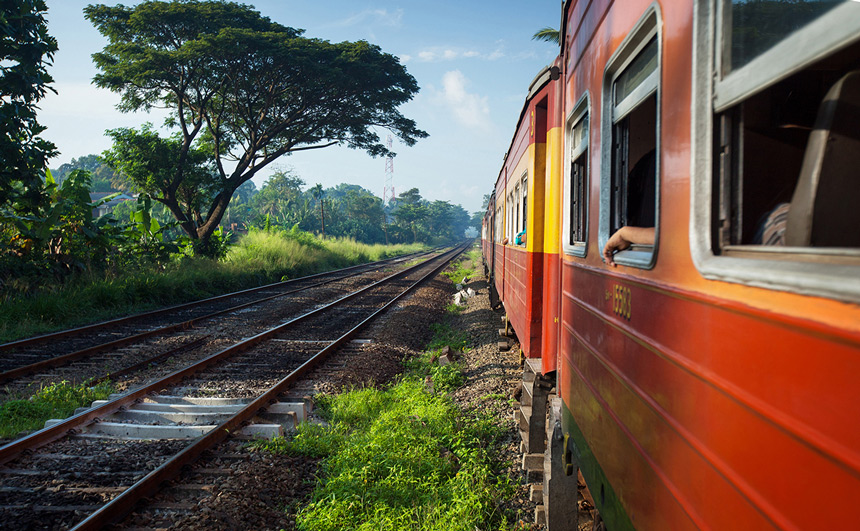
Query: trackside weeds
point(423, 452)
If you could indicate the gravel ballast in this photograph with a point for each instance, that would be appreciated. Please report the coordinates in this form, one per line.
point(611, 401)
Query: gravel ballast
point(266, 491)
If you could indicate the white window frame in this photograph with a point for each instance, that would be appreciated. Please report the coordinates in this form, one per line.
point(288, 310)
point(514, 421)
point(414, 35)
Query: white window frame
point(517, 221)
point(833, 30)
point(816, 40)
point(581, 111)
point(524, 186)
point(649, 26)
point(499, 229)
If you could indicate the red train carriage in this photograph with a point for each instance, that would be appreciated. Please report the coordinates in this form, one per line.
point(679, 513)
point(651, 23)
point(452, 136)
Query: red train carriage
point(709, 378)
point(524, 243)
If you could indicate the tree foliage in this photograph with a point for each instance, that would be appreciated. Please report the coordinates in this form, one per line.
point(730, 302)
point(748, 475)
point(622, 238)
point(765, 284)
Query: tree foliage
point(547, 34)
point(103, 177)
point(248, 88)
point(147, 162)
point(26, 50)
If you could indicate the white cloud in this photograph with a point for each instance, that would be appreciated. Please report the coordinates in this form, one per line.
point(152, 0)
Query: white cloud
point(469, 109)
point(440, 53)
point(373, 16)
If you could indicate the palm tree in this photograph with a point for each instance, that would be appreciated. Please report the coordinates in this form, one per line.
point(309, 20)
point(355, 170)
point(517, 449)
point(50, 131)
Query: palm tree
point(546, 34)
point(318, 193)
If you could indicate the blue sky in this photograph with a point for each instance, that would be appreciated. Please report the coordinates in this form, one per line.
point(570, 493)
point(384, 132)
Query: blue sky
point(472, 59)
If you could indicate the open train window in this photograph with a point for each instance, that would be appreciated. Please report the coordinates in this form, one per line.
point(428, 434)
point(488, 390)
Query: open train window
point(631, 102)
point(776, 145)
point(576, 181)
point(500, 227)
point(525, 189)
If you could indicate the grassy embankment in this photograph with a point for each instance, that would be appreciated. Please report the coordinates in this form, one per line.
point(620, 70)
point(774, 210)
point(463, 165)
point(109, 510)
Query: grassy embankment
point(405, 456)
point(258, 258)
point(56, 401)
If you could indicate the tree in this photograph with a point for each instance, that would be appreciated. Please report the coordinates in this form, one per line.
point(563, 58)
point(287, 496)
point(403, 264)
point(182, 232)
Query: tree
point(547, 34)
point(410, 211)
point(281, 198)
point(148, 162)
point(477, 221)
point(103, 178)
point(252, 89)
point(318, 193)
point(26, 50)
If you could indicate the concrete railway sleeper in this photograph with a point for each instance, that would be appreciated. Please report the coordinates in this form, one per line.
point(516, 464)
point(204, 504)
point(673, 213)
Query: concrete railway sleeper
point(173, 399)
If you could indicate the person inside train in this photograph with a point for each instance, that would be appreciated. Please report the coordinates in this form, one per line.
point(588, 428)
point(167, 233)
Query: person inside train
point(641, 183)
point(520, 238)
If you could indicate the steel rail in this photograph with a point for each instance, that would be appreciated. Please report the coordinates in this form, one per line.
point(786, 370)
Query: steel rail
point(184, 306)
point(185, 325)
point(85, 418)
point(152, 482)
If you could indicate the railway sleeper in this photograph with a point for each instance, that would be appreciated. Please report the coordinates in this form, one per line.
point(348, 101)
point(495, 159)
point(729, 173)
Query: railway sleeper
point(175, 417)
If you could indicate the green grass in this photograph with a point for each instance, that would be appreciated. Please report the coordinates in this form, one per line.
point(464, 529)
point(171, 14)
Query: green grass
point(55, 401)
point(258, 258)
point(465, 267)
point(404, 457)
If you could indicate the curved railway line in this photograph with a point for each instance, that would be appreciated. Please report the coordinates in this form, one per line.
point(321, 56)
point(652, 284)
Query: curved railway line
point(92, 469)
point(129, 344)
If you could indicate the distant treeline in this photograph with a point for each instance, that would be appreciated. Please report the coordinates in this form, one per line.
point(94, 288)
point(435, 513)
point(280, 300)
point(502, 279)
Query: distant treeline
point(285, 201)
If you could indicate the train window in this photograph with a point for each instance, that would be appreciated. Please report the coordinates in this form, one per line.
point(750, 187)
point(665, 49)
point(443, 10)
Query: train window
point(525, 190)
point(576, 181)
point(776, 144)
point(631, 100)
point(761, 43)
point(517, 221)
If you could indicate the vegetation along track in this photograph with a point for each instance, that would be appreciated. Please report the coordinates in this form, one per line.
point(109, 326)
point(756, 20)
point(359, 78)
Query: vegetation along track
point(115, 456)
point(19, 359)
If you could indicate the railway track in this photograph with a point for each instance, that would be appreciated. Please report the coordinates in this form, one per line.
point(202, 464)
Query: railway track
point(92, 469)
point(108, 344)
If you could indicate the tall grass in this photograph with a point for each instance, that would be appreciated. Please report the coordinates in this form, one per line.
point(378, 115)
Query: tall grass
point(56, 401)
point(258, 258)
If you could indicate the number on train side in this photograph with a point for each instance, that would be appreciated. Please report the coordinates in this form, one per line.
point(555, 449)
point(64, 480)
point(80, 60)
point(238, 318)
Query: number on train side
point(622, 301)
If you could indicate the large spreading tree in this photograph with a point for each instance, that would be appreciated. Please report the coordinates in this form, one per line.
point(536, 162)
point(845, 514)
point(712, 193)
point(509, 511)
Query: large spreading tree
point(246, 89)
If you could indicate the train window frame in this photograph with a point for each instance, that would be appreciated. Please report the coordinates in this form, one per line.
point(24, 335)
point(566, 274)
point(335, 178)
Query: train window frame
point(802, 270)
point(499, 229)
point(648, 28)
point(581, 114)
point(816, 40)
point(516, 211)
point(524, 186)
